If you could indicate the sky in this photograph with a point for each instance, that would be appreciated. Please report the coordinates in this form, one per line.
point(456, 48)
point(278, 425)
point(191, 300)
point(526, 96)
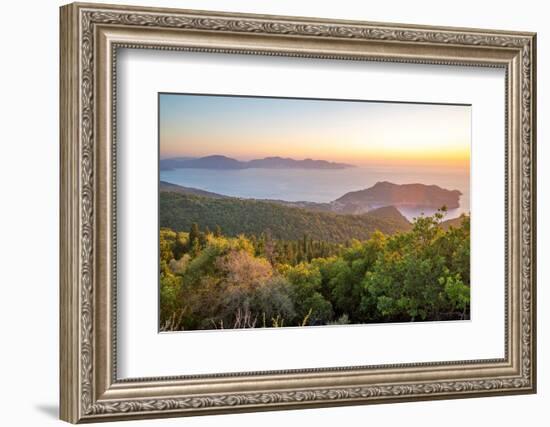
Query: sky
point(356, 132)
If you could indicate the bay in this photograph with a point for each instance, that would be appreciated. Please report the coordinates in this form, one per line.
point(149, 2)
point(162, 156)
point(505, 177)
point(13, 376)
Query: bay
point(322, 185)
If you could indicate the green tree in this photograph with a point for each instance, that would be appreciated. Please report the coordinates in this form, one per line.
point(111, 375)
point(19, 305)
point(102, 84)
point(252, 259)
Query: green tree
point(414, 277)
point(194, 236)
point(305, 285)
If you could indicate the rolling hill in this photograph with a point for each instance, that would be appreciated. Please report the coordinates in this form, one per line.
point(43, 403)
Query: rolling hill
point(454, 222)
point(175, 188)
point(235, 216)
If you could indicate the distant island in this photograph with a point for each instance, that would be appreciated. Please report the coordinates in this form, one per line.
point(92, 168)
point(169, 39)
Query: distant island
point(223, 162)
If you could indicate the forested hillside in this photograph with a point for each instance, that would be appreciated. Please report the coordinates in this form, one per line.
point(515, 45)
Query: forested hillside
point(235, 216)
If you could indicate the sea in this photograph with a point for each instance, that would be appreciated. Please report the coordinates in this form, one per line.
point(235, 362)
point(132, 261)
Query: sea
point(322, 185)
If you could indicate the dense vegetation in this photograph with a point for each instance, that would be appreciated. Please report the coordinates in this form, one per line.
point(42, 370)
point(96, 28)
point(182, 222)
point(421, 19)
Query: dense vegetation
point(253, 217)
point(211, 278)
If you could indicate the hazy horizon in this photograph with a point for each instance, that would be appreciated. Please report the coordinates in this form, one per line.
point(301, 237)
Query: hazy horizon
point(354, 132)
point(403, 163)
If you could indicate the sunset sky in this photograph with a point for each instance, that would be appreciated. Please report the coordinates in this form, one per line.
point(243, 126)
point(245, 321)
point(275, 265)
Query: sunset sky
point(344, 131)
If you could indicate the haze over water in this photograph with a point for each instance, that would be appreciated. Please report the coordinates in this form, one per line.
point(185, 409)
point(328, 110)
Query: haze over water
point(321, 185)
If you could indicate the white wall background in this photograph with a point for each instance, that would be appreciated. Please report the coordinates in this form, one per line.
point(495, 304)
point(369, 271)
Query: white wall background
point(29, 171)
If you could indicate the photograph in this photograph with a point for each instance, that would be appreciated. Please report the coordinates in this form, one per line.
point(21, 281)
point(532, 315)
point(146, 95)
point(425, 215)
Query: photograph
point(272, 211)
point(293, 212)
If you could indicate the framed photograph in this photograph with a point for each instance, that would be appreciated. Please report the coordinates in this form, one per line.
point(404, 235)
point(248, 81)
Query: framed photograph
point(265, 213)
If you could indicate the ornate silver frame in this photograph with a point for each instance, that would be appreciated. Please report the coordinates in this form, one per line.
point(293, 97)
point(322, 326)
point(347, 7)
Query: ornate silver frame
point(90, 36)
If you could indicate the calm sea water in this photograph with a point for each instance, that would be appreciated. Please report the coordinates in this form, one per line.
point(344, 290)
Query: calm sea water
point(320, 185)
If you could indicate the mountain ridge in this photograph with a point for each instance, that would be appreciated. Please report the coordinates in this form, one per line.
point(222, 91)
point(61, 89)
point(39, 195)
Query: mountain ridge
point(223, 162)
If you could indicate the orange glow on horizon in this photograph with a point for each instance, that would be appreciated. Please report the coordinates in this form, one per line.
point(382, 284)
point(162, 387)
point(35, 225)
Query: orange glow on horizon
point(355, 133)
point(455, 155)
